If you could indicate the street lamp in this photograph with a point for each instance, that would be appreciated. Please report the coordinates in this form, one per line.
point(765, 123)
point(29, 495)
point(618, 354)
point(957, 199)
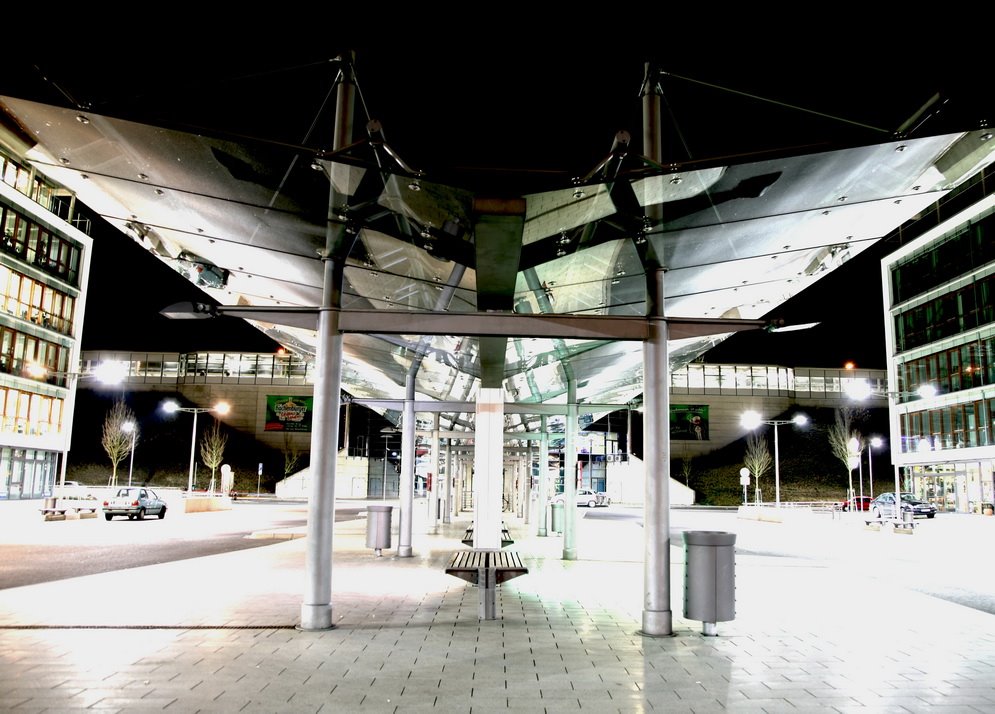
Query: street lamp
point(386, 431)
point(860, 389)
point(751, 420)
point(172, 407)
point(130, 427)
point(110, 372)
point(874, 443)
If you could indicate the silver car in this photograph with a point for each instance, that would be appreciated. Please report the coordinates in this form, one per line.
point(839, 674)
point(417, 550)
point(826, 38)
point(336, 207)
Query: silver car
point(585, 497)
point(883, 506)
point(135, 503)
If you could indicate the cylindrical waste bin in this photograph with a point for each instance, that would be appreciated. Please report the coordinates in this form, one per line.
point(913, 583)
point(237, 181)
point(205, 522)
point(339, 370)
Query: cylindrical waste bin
point(378, 527)
point(709, 578)
point(556, 517)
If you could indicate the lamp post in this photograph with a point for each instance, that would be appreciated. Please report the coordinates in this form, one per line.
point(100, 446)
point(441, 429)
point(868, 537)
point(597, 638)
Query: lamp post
point(172, 407)
point(130, 427)
point(874, 443)
point(386, 431)
point(106, 372)
point(751, 420)
point(860, 389)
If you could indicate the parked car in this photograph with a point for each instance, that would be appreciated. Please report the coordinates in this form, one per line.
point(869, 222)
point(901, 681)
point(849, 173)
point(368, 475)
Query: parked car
point(135, 503)
point(883, 506)
point(860, 503)
point(585, 497)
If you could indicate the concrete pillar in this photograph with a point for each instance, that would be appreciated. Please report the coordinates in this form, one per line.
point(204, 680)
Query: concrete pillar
point(487, 472)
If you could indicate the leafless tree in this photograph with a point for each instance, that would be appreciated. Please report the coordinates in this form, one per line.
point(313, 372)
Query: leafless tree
point(840, 434)
point(842, 441)
point(686, 467)
point(757, 458)
point(117, 439)
point(212, 449)
point(292, 453)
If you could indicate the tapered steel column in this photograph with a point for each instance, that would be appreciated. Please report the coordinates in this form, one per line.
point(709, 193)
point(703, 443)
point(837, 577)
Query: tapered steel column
point(657, 616)
point(406, 496)
point(543, 479)
point(447, 512)
point(436, 489)
point(316, 609)
point(570, 474)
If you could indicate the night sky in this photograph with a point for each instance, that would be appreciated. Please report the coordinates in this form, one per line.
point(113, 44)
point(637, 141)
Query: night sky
point(505, 113)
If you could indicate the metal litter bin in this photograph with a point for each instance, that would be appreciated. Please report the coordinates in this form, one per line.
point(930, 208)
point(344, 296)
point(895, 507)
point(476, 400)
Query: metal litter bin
point(378, 527)
point(556, 517)
point(709, 578)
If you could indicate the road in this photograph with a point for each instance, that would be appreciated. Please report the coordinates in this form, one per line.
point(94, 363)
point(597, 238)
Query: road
point(35, 551)
point(941, 558)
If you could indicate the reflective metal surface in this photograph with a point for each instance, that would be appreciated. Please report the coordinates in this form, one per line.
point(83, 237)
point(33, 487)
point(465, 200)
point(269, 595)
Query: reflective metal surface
point(247, 223)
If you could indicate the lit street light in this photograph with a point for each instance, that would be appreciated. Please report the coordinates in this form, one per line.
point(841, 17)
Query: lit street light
point(751, 420)
point(130, 427)
point(105, 372)
point(171, 407)
point(854, 460)
point(860, 389)
point(874, 443)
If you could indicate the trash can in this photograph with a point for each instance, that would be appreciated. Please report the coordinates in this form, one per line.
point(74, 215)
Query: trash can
point(556, 518)
point(378, 527)
point(709, 578)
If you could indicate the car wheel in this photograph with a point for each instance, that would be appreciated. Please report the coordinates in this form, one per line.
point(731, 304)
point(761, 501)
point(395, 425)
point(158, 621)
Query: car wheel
point(107, 516)
point(592, 504)
point(140, 515)
point(162, 513)
point(877, 513)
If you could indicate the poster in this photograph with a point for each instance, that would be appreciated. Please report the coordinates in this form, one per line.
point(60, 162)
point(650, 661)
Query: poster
point(688, 422)
point(288, 413)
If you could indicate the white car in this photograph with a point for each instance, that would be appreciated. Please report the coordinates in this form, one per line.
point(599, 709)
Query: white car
point(135, 503)
point(585, 497)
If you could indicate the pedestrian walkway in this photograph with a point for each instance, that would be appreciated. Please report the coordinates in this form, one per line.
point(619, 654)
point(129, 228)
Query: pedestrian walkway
point(218, 634)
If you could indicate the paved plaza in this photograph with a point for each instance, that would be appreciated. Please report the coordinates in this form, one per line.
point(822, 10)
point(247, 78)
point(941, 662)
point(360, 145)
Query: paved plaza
point(814, 628)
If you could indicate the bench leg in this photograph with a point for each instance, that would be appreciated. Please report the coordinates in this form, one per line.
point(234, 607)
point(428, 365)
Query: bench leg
point(488, 592)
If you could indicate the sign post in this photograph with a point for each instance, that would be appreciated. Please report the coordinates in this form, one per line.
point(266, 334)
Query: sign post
point(744, 480)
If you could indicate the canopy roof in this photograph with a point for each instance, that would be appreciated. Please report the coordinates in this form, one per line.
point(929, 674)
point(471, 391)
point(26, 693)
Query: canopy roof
point(249, 222)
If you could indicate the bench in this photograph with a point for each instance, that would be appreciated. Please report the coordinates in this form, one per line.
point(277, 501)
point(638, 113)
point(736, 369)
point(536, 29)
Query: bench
point(897, 523)
point(53, 513)
point(506, 539)
point(486, 569)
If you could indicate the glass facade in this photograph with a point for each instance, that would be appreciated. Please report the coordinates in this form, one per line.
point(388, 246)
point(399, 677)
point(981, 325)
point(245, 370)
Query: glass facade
point(943, 324)
point(40, 288)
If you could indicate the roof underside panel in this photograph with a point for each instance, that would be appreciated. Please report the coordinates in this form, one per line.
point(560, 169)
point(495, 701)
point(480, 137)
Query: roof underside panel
point(252, 224)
